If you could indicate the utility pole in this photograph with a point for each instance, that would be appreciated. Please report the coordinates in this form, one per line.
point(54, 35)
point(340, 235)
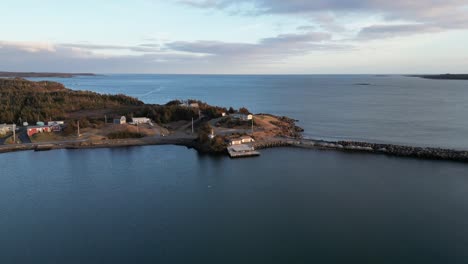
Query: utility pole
point(78, 128)
point(138, 128)
point(105, 119)
point(14, 133)
point(252, 125)
point(192, 125)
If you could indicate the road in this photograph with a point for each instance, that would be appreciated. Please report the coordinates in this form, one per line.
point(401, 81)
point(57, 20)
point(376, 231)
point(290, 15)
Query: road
point(23, 136)
point(2, 140)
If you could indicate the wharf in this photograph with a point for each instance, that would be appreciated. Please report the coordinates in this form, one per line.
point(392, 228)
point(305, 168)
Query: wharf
point(242, 151)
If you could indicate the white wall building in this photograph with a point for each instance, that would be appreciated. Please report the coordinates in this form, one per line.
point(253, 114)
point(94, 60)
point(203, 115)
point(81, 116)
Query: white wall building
point(5, 128)
point(140, 120)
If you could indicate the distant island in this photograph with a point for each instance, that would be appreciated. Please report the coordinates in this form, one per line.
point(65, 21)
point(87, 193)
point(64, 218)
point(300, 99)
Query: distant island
point(46, 115)
point(42, 74)
point(443, 76)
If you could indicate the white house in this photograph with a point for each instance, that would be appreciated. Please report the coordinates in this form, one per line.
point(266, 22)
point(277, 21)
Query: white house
point(4, 129)
point(236, 141)
point(55, 123)
point(242, 116)
point(120, 121)
point(194, 105)
point(247, 139)
point(140, 120)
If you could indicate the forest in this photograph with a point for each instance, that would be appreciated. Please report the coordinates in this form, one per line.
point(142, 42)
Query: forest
point(23, 100)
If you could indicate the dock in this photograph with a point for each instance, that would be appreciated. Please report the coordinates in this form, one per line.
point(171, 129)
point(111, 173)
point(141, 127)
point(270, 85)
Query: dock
point(242, 151)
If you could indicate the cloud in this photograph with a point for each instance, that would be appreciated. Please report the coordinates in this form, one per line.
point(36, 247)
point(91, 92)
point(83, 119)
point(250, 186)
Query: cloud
point(389, 31)
point(27, 46)
point(281, 46)
point(148, 47)
point(429, 14)
point(177, 56)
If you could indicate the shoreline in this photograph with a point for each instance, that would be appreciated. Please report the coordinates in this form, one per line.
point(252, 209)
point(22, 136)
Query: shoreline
point(422, 153)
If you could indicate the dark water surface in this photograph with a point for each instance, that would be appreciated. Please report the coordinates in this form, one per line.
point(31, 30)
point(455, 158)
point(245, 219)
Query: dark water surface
point(167, 204)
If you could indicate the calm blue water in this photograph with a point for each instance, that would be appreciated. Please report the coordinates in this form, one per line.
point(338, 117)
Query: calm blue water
point(393, 109)
point(168, 204)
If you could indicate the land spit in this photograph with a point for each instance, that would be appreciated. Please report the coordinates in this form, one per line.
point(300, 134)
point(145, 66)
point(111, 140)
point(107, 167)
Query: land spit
point(190, 142)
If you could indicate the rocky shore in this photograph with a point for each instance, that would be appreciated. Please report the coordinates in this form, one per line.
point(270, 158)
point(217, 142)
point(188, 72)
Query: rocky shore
point(191, 142)
point(376, 148)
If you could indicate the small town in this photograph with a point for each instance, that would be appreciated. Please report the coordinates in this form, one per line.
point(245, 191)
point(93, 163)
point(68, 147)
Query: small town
point(234, 133)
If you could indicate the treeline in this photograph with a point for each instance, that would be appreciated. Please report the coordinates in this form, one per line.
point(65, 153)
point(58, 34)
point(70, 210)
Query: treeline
point(23, 100)
point(177, 110)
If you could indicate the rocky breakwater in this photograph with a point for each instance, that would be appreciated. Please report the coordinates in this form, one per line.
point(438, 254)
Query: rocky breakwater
point(389, 149)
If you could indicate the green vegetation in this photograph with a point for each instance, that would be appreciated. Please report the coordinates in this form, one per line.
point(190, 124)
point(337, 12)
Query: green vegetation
point(235, 123)
point(31, 101)
point(9, 140)
point(205, 144)
point(22, 100)
point(42, 74)
point(124, 134)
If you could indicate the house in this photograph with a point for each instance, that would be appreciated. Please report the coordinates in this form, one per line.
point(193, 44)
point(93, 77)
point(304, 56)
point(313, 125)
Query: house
point(247, 139)
point(32, 130)
point(5, 129)
point(120, 121)
point(194, 105)
point(140, 120)
point(223, 114)
point(56, 128)
point(242, 117)
point(236, 141)
point(54, 123)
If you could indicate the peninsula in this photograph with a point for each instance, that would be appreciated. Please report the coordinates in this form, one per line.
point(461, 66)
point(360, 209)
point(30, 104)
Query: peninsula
point(42, 74)
point(443, 76)
point(46, 115)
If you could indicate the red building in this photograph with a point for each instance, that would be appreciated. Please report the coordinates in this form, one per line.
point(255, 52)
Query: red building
point(32, 130)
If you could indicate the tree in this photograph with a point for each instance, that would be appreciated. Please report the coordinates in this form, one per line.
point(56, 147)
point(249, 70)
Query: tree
point(244, 111)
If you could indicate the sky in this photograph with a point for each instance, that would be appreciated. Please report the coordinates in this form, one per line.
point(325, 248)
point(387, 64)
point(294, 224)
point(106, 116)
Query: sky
point(235, 37)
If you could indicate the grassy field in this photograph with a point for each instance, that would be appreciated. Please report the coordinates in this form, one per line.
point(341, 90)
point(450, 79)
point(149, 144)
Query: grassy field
point(47, 137)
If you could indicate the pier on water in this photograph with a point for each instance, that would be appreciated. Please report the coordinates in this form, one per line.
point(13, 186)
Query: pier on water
point(242, 151)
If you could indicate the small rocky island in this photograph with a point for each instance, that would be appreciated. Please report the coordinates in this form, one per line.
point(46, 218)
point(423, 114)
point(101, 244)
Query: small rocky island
point(45, 115)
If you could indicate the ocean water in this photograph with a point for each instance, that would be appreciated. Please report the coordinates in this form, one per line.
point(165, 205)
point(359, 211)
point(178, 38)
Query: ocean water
point(391, 109)
point(169, 204)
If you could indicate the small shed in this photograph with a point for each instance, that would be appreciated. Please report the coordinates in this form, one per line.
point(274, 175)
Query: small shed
point(120, 121)
point(247, 139)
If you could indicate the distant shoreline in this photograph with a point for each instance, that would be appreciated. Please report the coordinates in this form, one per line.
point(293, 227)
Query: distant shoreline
point(42, 74)
point(443, 76)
